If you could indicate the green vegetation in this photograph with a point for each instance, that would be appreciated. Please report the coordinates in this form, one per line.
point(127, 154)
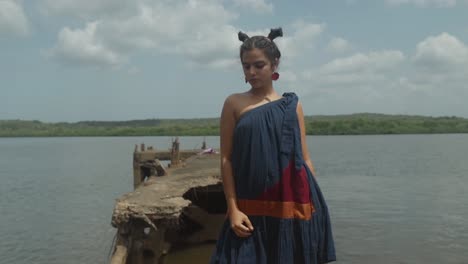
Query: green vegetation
point(356, 124)
point(366, 124)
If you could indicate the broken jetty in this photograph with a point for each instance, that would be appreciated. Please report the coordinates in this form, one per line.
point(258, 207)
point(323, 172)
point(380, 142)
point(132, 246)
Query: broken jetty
point(174, 207)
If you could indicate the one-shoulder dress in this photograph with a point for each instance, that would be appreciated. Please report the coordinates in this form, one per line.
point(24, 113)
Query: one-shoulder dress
point(277, 191)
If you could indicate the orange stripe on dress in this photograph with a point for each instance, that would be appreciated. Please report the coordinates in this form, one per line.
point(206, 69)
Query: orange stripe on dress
point(276, 209)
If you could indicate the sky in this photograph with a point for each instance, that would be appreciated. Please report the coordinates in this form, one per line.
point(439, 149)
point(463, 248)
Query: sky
point(68, 60)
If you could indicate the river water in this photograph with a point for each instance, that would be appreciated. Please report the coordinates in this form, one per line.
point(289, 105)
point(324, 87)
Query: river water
point(392, 198)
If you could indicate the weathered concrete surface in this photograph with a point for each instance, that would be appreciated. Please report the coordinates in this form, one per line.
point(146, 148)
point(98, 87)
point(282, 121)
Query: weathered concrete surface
point(160, 198)
point(166, 155)
point(181, 206)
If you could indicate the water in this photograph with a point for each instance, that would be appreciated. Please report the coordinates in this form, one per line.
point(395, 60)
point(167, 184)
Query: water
point(392, 198)
point(397, 199)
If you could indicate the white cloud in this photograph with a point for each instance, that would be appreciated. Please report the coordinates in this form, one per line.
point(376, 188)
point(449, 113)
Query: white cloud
point(441, 53)
point(431, 82)
point(440, 64)
point(360, 62)
point(302, 39)
point(360, 78)
point(338, 45)
point(199, 30)
point(424, 3)
point(259, 6)
point(87, 9)
point(12, 18)
point(359, 75)
point(83, 46)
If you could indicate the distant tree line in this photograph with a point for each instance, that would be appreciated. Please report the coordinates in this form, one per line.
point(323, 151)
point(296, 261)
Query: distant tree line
point(355, 124)
point(366, 124)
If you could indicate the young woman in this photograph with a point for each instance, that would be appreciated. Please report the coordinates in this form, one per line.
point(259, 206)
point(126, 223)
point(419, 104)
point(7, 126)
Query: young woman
point(276, 212)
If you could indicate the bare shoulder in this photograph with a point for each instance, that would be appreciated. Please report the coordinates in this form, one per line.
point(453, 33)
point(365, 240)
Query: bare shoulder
point(235, 103)
point(234, 99)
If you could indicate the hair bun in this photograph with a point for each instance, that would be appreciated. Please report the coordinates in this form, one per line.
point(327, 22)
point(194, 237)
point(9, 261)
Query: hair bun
point(275, 32)
point(242, 36)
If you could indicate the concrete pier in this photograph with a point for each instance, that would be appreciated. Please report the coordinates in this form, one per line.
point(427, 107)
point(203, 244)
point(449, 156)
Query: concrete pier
point(181, 205)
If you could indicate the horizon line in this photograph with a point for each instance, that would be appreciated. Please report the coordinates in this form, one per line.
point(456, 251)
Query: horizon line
point(192, 118)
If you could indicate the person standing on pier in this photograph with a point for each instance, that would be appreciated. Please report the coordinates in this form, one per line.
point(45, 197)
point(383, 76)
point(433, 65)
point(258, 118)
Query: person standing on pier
point(276, 211)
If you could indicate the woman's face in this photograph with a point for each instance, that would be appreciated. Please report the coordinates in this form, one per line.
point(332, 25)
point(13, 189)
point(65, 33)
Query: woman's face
point(257, 68)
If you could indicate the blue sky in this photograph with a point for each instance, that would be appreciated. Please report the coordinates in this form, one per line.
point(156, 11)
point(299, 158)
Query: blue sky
point(67, 60)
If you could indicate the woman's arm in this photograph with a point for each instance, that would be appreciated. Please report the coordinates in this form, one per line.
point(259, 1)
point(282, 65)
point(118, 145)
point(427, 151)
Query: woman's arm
point(305, 151)
point(240, 223)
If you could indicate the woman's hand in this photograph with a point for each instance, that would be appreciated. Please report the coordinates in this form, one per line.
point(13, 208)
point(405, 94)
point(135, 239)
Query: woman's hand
point(240, 223)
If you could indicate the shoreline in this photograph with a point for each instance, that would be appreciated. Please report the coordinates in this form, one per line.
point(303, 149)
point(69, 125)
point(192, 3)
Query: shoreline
point(181, 135)
point(355, 124)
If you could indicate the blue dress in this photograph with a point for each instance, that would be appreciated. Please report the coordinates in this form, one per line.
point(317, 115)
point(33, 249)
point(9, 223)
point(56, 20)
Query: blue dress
point(277, 191)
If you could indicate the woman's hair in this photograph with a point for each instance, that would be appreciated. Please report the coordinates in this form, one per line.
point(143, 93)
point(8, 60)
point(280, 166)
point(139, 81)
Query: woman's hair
point(264, 43)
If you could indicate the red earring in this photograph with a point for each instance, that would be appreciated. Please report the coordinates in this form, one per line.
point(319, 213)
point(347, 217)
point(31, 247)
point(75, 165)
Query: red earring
point(275, 76)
